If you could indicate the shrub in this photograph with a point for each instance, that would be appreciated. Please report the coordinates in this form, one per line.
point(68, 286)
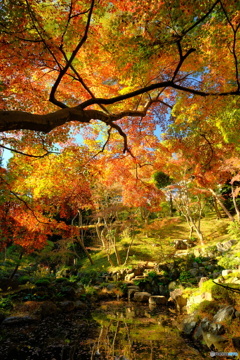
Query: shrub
point(24, 279)
point(42, 282)
point(6, 303)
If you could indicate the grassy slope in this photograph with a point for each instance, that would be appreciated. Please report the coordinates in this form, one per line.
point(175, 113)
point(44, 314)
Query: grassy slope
point(155, 243)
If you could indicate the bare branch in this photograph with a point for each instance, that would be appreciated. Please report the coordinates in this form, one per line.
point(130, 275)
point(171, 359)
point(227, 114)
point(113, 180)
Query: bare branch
point(69, 63)
point(25, 154)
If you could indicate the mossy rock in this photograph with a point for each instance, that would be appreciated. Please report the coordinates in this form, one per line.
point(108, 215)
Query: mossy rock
point(210, 307)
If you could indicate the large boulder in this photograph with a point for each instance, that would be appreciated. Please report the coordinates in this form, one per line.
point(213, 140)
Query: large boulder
point(189, 325)
point(179, 300)
point(225, 314)
point(157, 300)
point(212, 327)
point(141, 296)
point(226, 245)
point(19, 320)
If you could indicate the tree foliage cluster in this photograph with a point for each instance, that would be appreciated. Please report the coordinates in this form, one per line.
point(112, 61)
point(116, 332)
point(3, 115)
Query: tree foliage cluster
point(98, 96)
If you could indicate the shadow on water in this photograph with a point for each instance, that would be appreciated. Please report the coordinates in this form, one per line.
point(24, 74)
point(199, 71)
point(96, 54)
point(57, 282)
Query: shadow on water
point(114, 331)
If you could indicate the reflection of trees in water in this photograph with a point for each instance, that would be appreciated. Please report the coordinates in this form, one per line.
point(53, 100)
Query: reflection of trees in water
point(136, 335)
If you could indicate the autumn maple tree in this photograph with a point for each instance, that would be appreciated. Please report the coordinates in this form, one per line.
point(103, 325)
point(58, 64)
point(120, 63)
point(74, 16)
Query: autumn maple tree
point(112, 75)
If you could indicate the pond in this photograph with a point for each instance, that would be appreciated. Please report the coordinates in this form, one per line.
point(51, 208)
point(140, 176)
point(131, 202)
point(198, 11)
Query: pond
point(113, 331)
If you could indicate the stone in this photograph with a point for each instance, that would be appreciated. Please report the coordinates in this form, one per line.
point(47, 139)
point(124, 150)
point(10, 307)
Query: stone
point(80, 305)
point(179, 300)
point(225, 314)
point(48, 308)
point(67, 306)
point(226, 272)
point(131, 293)
point(237, 314)
point(198, 334)
point(19, 320)
point(181, 244)
point(141, 296)
point(225, 246)
point(202, 280)
point(135, 287)
point(217, 341)
point(193, 272)
point(188, 326)
point(212, 328)
point(129, 277)
point(172, 285)
point(157, 300)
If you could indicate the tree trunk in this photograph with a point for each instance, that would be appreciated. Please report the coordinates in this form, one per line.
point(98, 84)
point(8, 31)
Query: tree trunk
point(16, 267)
point(215, 205)
point(222, 205)
point(235, 203)
point(80, 239)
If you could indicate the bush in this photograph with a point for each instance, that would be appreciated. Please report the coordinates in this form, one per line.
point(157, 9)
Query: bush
point(43, 282)
point(6, 304)
point(24, 279)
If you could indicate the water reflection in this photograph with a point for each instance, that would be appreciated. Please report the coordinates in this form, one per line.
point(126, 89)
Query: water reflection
point(136, 332)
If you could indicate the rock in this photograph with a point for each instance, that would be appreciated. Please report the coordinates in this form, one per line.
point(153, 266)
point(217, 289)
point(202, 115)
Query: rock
point(198, 333)
point(197, 299)
point(141, 296)
point(236, 343)
point(193, 272)
point(237, 314)
point(67, 306)
point(179, 300)
point(80, 305)
point(202, 271)
point(131, 293)
point(48, 308)
point(134, 287)
point(129, 277)
point(188, 326)
point(225, 314)
point(172, 285)
point(19, 320)
point(202, 280)
point(225, 246)
point(181, 244)
point(139, 270)
point(226, 272)
point(212, 328)
point(219, 342)
point(157, 300)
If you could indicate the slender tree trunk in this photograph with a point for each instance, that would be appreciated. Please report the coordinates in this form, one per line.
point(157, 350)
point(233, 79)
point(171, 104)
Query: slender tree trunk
point(128, 251)
point(171, 204)
point(80, 239)
point(215, 205)
point(235, 204)
point(16, 267)
point(222, 205)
